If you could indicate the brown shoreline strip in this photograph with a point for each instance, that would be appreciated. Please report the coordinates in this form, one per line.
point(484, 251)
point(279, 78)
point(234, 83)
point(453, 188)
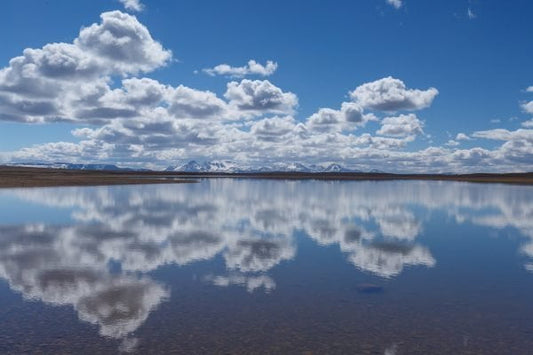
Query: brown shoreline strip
point(13, 177)
point(42, 177)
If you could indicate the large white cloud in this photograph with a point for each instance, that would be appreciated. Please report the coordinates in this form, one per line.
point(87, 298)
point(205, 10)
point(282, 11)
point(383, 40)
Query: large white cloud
point(54, 83)
point(260, 96)
point(123, 44)
point(326, 119)
point(273, 129)
point(350, 116)
point(390, 94)
point(401, 126)
point(189, 103)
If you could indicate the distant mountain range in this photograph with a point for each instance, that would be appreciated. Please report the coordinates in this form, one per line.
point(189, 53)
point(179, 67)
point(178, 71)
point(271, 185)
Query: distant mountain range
point(228, 166)
point(72, 166)
point(213, 166)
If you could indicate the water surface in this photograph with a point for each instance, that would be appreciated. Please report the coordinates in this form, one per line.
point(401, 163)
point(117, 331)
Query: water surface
point(240, 266)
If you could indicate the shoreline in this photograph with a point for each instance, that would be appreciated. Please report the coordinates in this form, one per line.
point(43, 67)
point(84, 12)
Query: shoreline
point(15, 177)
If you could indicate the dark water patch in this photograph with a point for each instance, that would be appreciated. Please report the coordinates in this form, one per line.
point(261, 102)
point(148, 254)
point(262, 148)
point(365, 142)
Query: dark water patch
point(369, 288)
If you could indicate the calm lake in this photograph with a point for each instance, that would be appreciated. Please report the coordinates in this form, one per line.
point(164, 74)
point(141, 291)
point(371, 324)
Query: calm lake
point(264, 266)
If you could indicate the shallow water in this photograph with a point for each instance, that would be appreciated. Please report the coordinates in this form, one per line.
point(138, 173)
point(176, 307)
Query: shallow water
point(263, 266)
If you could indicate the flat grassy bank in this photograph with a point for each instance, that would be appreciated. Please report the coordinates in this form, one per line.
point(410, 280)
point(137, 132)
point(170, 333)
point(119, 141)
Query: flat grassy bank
point(41, 177)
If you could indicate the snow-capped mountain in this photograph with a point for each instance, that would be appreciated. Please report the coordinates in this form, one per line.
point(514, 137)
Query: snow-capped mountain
point(228, 166)
point(214, 166)
point(337, 168)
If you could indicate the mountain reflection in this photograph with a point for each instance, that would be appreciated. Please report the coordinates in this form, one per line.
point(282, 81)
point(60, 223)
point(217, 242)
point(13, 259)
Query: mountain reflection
point(252, 225)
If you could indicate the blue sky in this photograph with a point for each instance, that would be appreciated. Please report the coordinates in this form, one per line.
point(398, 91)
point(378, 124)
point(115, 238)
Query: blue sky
point(459, 66)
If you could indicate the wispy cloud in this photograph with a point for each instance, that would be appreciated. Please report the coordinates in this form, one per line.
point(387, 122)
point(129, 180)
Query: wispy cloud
point(528, 124)
point(252, 68)
point(471, 14)
point(462, 137)
point(528, 106)
point(452, 143)
point(132, 5)
point(395, 3)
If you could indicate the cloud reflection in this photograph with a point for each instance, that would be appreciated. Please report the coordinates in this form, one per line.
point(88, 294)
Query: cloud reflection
point(251, 283)
point(251, 225)
point(43, 263)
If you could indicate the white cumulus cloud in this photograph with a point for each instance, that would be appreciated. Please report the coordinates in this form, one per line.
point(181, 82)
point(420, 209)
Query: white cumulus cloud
point(61, 81)
point(260, 96)
point(390, 94)
point(401, 126)
point(123, 43)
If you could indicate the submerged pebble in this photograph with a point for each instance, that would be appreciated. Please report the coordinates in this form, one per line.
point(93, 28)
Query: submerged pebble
point(369, 288)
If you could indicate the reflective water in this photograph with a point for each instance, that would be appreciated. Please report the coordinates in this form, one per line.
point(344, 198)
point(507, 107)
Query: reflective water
point(240, 266)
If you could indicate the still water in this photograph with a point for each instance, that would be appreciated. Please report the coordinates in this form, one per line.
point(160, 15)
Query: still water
point(262, 266)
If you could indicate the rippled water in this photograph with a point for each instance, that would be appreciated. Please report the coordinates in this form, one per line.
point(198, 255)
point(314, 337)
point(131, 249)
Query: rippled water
point(240, 266)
